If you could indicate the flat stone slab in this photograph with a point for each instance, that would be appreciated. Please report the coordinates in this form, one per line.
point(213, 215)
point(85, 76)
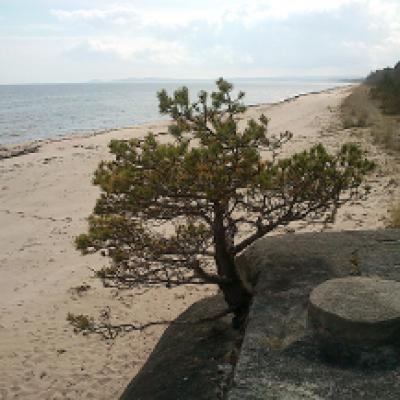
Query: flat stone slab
point(356, 310)
point(280, 359)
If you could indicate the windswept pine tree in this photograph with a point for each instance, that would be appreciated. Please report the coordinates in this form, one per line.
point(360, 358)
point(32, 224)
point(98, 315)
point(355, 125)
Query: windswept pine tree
point(178, 213)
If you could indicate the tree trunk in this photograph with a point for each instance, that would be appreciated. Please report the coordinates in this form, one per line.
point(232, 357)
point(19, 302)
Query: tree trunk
point(238, 300)
point(235, 293)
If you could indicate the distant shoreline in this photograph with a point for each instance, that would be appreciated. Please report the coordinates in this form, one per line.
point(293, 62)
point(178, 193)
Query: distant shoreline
point(161, 80)
point(30, 146)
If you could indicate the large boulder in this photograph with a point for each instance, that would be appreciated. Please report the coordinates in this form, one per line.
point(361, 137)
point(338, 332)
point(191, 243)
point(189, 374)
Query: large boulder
point(280, 358)
point(356, 310)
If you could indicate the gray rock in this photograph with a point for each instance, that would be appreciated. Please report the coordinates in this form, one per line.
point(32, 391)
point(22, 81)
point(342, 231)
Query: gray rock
point(189, 362)
point(280, 358)
point(356, 310)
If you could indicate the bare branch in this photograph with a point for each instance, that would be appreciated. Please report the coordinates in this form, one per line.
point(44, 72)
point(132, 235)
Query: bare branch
point(109, 331)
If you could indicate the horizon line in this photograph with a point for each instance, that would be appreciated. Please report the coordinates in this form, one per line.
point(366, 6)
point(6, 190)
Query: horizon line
point(166, 79)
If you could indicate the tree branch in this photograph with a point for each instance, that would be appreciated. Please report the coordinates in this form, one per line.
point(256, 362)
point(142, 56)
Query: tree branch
point(108, 331)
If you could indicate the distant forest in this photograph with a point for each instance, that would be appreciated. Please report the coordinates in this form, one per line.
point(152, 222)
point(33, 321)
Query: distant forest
point(385, 86)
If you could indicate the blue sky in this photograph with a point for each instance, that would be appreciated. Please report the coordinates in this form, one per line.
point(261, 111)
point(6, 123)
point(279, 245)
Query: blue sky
point(79, 40)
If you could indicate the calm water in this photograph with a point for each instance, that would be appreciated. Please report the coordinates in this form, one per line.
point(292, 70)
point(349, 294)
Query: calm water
point(47, 111)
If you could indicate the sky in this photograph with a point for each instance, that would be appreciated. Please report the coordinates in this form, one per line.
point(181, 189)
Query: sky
point(80, 40)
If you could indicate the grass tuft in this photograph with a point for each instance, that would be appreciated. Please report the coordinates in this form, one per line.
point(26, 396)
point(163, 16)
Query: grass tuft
point(360, 110)
point(357, 110)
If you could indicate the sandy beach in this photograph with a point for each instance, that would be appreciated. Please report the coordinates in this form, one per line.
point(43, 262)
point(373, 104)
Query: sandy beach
point(45, 198)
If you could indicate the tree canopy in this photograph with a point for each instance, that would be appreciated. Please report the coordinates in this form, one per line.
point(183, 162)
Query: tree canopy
point(178, 211)
point(385, 85)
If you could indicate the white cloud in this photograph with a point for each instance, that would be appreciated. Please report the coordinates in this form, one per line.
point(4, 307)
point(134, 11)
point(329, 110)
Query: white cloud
point(124, 15)
point(384, 18)
point(242, 11)
point(245, 13)
point(118, 38)
point(226, 55)
point(157, 51)
point(388, 12)
point(259, 10)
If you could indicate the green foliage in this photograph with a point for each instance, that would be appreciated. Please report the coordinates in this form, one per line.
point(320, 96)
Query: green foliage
point(357, 110)
point(386, 87)
point(179, 212)
point(360, 110)
point(80, 322)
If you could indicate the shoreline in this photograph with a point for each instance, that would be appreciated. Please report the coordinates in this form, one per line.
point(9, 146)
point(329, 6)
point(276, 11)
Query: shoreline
point(45, 200)
point(9, 150)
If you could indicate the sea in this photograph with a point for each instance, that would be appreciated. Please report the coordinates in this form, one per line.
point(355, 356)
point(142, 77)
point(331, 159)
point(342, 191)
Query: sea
point(49, 111)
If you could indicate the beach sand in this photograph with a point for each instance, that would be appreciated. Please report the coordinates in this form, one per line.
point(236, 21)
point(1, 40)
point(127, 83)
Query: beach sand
point(45, 198)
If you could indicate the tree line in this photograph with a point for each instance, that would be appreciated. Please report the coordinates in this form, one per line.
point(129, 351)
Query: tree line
point(385, 87)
